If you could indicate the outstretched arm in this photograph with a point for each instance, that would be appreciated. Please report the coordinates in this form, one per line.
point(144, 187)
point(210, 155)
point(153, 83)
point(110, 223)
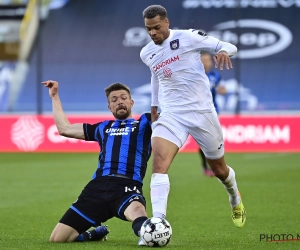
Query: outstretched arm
point(64, 127)
point(222, 50)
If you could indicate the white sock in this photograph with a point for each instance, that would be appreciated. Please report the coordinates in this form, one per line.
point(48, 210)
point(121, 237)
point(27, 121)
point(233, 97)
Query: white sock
point(231, 187)
point(160, 187)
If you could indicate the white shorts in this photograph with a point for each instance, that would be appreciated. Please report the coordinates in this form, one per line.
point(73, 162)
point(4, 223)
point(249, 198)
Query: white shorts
point(205, 128)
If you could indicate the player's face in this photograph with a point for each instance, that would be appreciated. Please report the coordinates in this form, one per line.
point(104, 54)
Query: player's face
point(158, 29)
point(120, 104)
point(207, 62)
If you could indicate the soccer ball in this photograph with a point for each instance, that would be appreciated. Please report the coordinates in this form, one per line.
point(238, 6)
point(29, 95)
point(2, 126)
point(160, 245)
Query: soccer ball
point(156, 232)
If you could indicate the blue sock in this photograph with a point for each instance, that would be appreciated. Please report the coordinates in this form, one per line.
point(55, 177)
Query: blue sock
point(93, 235)
point(80, 238)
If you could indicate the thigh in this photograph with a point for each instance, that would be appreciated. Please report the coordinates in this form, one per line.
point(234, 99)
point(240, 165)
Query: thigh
point(63, 233)
point(73, 220)
point(174, 131)
point(92, 204)
point(165, 146)
point(130, 192)
point(207, 132)
point(135, 210)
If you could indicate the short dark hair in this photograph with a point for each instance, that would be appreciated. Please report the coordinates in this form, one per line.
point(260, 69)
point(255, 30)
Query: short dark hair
point(117, 86)
point(155, 10)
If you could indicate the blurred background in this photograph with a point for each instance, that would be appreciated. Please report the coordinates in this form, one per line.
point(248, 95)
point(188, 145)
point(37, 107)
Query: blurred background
point(87, 45)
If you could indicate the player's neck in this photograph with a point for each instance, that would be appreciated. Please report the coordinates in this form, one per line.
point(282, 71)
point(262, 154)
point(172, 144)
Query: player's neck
point(169, 33)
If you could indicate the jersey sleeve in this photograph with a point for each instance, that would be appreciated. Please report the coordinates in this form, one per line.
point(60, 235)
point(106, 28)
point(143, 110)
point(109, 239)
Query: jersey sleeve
point(154, 90)
point(148, 117)
point(142, 55)
point(204, 42)
point(90, 131)
point(154, 82)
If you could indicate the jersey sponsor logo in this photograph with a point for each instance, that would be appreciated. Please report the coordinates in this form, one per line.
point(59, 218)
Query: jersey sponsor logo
point(174, 44)
point(167, 72)
point(119, 131)
point(257, 38)
point(193, 4)
point(165, 63)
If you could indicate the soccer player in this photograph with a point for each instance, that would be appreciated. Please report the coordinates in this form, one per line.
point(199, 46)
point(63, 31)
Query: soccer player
point(116, 186)
point(215, 88)
point(181, 88)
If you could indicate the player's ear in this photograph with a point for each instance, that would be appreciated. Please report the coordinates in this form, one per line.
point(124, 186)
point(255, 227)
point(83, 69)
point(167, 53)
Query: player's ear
point(132, 102)
point(167, 22)
point(109, 107)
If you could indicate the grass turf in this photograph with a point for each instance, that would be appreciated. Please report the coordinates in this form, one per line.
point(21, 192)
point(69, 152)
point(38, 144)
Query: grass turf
point(36, 189)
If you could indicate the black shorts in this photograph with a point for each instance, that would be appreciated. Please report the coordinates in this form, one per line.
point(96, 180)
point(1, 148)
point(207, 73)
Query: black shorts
point(102, 199)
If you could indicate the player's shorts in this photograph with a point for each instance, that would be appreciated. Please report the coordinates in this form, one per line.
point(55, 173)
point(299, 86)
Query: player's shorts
point(102, 199)
point(205, 128)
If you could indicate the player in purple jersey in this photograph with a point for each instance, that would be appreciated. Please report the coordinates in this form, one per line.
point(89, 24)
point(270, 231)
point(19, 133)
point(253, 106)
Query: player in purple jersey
point(180, 87)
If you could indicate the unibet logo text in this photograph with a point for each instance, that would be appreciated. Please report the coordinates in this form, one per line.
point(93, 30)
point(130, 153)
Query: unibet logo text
point(166, 62)
point(119, 131)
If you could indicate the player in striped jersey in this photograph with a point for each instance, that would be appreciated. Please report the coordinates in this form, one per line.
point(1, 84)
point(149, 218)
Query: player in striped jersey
point(116, 187)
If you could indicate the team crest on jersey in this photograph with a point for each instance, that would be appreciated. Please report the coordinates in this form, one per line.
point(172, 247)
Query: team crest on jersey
point(174, 44)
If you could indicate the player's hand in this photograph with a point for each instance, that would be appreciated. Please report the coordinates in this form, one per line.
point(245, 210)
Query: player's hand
point(53, 87)
point(222, 58)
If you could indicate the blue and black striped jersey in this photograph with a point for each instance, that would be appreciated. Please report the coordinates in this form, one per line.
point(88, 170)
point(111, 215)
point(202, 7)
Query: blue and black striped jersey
point(125, 146)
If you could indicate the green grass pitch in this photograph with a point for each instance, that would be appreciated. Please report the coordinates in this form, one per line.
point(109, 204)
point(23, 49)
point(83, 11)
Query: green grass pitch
point(37, 188)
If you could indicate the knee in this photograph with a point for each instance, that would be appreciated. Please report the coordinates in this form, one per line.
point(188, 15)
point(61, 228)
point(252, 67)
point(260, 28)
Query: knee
point(135, 210)
point(160, 163)
point(63, 233)
point(221, 171)
point(139, 209)
point(56, 238)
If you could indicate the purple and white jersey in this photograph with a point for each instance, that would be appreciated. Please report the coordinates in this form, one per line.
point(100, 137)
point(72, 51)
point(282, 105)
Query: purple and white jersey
point(178, 79)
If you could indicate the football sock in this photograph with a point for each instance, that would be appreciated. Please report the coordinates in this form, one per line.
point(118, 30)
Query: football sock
point(93, 235)
point(160, 187)
point(203, 158)
point(137, 224)
point(231, 187)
